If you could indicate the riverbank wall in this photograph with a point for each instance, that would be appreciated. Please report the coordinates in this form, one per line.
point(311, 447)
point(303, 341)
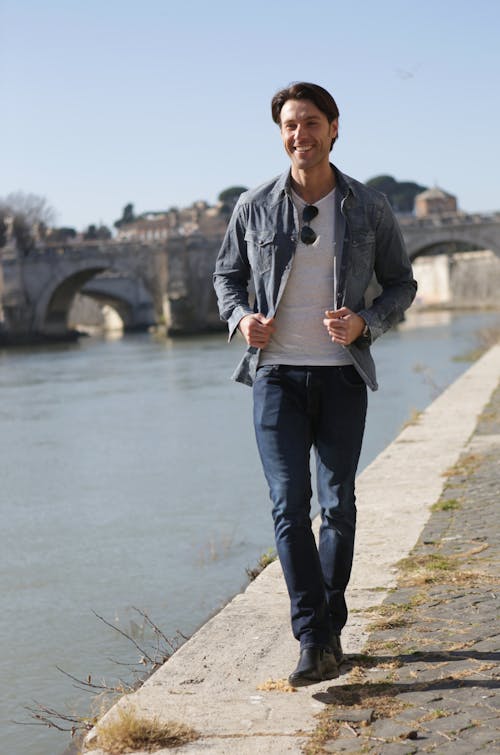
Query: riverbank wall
point(464, 280)
point(226, 682)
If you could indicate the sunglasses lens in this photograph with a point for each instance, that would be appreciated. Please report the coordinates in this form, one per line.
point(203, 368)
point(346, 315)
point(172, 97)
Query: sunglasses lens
point(307, 235)
point(309, 212)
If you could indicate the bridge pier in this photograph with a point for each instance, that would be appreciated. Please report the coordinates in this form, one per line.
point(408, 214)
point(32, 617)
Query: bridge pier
point(461, 280)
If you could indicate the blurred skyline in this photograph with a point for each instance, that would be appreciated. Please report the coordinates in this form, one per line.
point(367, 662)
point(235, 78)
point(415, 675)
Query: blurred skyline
point(163, 104)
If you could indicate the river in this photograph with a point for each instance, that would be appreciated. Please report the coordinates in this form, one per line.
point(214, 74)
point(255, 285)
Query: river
point(129, 478)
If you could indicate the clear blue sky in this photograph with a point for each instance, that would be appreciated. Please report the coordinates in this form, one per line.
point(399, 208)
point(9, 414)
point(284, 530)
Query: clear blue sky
point(161, 103)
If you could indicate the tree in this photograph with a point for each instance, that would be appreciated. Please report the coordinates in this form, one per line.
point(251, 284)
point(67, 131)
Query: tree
point(60, 235)
point(31, 216)
point(33, 208)
point(231, 195)
point(23, 235)
point(91, 233)
point(95, 233)
point(401, 194)
point(128, 216)
point(103, 233)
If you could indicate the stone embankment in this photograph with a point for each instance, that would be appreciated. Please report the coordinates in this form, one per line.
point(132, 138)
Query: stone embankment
point(422, 668)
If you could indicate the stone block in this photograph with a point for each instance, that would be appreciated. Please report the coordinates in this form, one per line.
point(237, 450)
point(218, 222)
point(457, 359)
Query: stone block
point(353, 715)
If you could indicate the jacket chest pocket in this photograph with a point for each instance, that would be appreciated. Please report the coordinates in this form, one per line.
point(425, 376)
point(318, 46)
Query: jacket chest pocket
point(260, 250)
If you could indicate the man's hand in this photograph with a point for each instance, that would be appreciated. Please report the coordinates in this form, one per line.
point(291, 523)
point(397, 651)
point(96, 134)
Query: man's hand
point(343, 325)
point(256, 329)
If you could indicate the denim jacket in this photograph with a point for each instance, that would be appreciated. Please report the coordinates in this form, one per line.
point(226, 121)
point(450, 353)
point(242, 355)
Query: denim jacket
point(260, 243)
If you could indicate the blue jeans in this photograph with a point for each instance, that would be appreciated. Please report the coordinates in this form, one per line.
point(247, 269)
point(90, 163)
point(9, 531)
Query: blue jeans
point(296, 408)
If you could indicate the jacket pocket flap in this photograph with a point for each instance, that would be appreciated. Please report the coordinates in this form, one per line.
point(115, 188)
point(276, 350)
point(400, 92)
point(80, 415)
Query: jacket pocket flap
point(260, 238)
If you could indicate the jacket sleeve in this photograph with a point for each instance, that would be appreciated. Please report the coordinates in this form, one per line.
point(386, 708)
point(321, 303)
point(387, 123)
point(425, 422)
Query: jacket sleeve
point(232, 272)
point(394, 274)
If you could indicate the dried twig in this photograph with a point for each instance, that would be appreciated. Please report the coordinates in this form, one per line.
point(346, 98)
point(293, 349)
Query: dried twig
point(445, 735)
point(163, 648)
point(124, 634)
point(45, 716)
point(351, 729)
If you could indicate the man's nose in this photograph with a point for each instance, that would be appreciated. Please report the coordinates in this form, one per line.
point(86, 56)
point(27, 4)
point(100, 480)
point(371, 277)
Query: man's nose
point(300, 132)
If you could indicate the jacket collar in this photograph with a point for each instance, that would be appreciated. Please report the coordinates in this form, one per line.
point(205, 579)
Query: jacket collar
point(283, 185)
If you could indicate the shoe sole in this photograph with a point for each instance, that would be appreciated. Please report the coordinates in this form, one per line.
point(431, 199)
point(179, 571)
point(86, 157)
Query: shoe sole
point(304, 681)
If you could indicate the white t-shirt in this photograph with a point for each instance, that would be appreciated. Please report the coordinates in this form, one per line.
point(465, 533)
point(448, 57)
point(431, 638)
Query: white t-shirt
point(300, 338)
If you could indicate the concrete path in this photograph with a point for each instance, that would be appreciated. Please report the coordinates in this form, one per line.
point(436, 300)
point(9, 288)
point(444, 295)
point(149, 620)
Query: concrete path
point(215, 681)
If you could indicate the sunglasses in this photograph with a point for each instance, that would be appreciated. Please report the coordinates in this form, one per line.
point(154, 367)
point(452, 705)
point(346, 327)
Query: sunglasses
point(307, 235)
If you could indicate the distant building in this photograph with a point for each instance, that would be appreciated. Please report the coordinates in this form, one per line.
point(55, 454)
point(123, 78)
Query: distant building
point(158, 226)
point(434, 201)
point(150, 226)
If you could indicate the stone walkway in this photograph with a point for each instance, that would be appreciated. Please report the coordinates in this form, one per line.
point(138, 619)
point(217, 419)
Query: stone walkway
point(429, 678)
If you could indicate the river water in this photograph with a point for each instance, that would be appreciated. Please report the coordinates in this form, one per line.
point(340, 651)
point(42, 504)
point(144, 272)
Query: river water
point(129, 478)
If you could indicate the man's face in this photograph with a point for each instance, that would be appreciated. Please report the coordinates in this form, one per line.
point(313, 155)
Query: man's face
point(306, 134)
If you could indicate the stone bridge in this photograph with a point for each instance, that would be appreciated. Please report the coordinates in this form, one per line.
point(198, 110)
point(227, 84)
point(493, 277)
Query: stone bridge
point(147, 284)
point(424, 235)
point(169, 282)
point(39, 288)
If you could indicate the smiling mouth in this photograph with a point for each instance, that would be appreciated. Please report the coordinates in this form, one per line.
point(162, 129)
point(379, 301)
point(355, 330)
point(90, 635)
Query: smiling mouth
point(302, 150)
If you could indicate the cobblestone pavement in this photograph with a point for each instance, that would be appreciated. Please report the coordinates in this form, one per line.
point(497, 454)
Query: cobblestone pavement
point(429, 680)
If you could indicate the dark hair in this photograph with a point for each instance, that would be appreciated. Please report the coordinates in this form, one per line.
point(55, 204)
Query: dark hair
point(302, 90)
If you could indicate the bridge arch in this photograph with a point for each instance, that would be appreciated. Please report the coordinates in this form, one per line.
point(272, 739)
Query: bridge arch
point(124, 292)
point(127, 295)
point(444, 246)
point(421, 236)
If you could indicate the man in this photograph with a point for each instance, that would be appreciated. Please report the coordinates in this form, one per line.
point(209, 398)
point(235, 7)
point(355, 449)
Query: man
point(310, 241)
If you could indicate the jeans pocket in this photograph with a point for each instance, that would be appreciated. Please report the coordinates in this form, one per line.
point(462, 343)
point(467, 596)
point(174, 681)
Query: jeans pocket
point(351, 377)
point(265, 371)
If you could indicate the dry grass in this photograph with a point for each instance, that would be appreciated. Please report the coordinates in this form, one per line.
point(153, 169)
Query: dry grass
point(413, 419)
point(433, 714)
point(466, 465)
point(425, 569)
point(392, 621)
point(448, 504)
point(327, 729)
point(276, 685)
point(440, 569)
point(267, 558)
point(478, 670)
point(393, 647)
point(126, 731)
point(380, 697)
point(393, 615)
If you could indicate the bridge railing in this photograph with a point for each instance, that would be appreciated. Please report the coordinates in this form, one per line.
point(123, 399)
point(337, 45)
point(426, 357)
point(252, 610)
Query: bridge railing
point(435, 221)
point(72, 247)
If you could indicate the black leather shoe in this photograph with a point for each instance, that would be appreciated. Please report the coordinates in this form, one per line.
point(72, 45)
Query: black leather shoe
point(315, 665)
point(336, 648)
